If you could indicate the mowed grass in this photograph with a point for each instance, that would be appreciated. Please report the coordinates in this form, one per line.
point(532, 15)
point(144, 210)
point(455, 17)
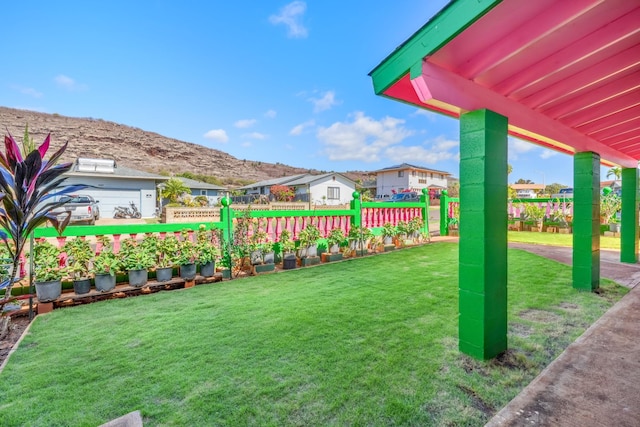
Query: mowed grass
point(371, 341)
point(554, 239)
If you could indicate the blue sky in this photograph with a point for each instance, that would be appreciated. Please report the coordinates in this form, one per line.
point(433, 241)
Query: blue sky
point(266, 80)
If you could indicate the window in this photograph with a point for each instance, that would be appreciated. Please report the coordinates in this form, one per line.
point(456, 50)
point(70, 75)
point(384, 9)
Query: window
point(203, 192)
point(431, 175)
point(400, 174)
point(413, 173)
point(333, 193)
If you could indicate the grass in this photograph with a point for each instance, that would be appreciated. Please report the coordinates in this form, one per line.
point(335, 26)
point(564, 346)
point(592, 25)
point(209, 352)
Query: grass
point(370, 341)
point(554, 239)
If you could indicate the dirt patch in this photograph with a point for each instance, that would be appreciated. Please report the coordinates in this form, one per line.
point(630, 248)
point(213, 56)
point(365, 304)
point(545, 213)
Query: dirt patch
point(541, 316)
point(17, 327)
point(477, 401)
point(569, 306)
point(520, 330)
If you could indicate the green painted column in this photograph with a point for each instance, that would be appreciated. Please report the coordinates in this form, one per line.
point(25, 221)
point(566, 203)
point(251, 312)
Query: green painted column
point(586, 221)
point(483, 234)
point(629, 224)
point(356, 206)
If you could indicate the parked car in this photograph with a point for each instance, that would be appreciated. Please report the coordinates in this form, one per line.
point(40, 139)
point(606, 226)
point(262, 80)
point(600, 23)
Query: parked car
point(405, 197)
point(563, 193)
point(83, 208)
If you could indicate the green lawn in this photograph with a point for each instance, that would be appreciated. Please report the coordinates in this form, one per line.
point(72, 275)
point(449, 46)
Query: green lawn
point(370, 341)
point(554, 239)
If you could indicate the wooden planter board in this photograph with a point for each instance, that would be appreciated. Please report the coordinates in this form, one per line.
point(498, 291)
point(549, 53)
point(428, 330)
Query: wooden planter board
point(313, 260)
point(331, 257)
point(388, 248)
point(263, 268)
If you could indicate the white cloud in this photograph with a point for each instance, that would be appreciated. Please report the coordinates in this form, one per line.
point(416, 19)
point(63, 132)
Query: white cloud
point(246, 144)
point(430, 115)
point(217, 135)
point(255, 135)
point(431, 152)
point(297, 130)
point(27, 91)
point(291, 16)
point(546, 153)
point(68, 83)
point(362, 139)
point(245, 123)
point(518, 146)
point(271, 114)
point(327, 101)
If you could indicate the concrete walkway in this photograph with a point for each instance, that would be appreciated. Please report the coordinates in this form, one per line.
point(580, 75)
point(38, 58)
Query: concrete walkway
point(596, 380)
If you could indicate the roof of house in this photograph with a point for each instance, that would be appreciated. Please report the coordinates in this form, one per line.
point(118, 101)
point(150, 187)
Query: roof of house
point(410, 166)
point(273, 181)
point(192, 183)
point(308, 178)
point(615, 183)
point(527, 186)
point(117, 172)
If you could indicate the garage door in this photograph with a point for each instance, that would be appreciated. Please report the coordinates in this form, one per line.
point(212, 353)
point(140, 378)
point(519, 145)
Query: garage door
point(109, 199)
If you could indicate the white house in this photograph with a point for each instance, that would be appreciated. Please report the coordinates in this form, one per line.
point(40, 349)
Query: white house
point(403, 177)
point(328, 189)
point(114, 185)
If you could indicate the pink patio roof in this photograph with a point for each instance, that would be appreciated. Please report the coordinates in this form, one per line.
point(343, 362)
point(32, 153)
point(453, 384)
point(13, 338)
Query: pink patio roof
point(565, 73)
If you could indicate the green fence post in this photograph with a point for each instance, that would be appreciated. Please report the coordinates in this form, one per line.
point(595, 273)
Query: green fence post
point(356, 206)
point(444, 213)
point(226, 218)
point(424, 199)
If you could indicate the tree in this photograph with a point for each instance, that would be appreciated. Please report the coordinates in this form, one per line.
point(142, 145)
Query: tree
point(30, 187)
point(509, 169)
point(173, 189)
point(554, 188)
point(616, 172)
point(453, 189)
point(524, 181)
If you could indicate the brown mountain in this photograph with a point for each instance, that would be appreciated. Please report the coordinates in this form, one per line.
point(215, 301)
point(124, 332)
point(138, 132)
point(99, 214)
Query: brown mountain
point(139, 149)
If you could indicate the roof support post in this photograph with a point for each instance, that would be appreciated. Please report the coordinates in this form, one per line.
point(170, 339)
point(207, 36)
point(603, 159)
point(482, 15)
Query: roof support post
point(629, 224)
point(483, 234)
point(586, 221)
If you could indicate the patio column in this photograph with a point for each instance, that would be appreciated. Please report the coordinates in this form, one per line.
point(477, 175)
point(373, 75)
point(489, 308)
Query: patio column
point(629, 223)
point(483, 234)
point(586, 221)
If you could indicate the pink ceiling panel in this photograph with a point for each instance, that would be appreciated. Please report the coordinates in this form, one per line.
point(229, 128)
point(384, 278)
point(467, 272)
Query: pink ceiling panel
point(609, 121)
point(557, 54)
point(593, 95)
point(622, 139)
point(616, 67)
point(617, 129)
point(603, 109)
point(521, 23)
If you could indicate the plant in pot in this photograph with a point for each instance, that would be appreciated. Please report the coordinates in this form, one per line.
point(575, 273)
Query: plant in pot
point(166, 257)
point(287, 246)
point(358, 237)
point(534, 215)
point(402, 232)
point(610, 204)
point(47, 271)
point(335, 238)
point(207, 246)
point(388, 232)
point(256, 250)
point(308, 238)
point(414, 226)
point(105, 266)
point(79, 255)
point(136, 258)
point(187, 257)
point(30, 188)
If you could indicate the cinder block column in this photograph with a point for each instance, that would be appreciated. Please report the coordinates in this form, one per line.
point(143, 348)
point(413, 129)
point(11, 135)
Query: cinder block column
point(483, 234)
point(586, 221)
point(629, 225)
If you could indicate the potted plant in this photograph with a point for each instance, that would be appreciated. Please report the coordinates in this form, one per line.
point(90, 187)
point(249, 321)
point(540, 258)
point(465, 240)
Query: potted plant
point(105, 266)
point(207, 250)
point(136, 259)
point(287, 246)
point(166, 255)
point(610, 204)
point(334, 239)
point(414, 226)
point(534, 215)
point(402, 231)
point(256, 246)
point(308, 238)
point(358, 237)
point(47, 272)
point(79, 255)
point(388, 232)
point(187, 257)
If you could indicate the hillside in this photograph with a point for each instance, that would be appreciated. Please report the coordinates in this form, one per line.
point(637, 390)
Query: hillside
point(139, 149)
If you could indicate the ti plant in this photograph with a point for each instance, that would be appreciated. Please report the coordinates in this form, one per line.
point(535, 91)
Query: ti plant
point(30, 187)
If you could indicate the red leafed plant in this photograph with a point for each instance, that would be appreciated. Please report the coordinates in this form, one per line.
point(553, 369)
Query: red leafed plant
point(30, 187)
point(282, 193)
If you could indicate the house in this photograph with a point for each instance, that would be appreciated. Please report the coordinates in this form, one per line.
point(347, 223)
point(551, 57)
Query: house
point(211, 191)
point(407, 177)
point(615, 185)
point(114, 185)
point(328, 189)
point(527, 191)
